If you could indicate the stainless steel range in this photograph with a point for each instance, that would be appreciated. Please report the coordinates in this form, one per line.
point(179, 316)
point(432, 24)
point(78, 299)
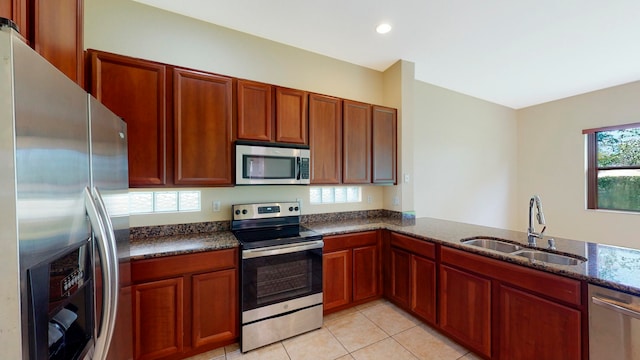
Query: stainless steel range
point(281, 273)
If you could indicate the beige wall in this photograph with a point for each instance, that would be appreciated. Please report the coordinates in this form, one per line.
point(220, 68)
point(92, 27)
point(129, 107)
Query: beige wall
point(464, 158)
point(129, 28)
point(551, 159)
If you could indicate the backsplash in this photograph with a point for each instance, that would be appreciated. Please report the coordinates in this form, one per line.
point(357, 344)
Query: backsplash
point(143, 232)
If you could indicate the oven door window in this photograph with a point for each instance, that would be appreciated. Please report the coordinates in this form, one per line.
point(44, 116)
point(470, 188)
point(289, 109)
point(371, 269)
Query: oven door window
point(272, 279)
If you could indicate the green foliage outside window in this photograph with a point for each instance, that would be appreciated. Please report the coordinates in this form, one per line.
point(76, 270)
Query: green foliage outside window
point(618, 153)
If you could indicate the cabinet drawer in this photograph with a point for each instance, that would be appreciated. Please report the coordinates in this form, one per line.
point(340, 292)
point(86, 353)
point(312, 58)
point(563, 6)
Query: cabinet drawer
point(179, 265)
point(348, 241)
point(558, 287)
point(413, 245)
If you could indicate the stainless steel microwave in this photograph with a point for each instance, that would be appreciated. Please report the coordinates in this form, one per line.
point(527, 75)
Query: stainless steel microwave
point(272, 164)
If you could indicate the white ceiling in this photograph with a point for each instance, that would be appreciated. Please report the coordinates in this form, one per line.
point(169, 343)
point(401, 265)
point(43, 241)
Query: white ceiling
point(511, 52)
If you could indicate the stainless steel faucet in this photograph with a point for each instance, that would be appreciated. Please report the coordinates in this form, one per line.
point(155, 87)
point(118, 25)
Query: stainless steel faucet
point(532, 235)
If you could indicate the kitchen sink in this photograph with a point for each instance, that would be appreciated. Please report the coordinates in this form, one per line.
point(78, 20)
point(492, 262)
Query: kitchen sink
point(511, 248)
point(549, 257)
point(492, 244)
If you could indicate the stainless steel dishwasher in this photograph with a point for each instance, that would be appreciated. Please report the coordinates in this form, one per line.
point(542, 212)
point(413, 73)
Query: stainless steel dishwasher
point(614, 325)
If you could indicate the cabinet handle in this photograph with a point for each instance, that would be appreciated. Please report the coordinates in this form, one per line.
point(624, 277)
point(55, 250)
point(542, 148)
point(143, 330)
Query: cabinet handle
point(616, 306)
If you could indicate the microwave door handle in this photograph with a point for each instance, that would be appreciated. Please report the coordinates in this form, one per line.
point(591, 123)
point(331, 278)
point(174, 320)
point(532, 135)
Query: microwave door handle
point(250, 168)
point(298, 168)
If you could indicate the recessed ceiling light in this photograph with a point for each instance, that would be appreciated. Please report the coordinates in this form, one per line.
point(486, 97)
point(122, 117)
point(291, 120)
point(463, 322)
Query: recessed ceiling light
point(383, 28)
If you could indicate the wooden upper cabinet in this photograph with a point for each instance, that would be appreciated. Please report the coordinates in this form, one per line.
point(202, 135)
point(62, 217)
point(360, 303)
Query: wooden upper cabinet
point(16, 11)
point(325, 139)
point(135, 90)
point(255, 106)
point(356, 143)
point(57, 36)
point(384, 131)
point(291, 116)
point(202, 105)
point(6, 9)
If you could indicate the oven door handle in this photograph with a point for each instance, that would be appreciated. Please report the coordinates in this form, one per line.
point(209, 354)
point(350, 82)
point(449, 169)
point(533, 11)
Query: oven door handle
point(282, 249)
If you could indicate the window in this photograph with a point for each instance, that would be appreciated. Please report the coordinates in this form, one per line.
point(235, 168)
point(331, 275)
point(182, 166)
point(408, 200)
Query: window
point(613, 167)
point(164, 201)
point(335, 195)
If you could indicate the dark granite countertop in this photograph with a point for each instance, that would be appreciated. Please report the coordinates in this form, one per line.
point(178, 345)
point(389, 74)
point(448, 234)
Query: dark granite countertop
point(610, 266)
point(158, 246)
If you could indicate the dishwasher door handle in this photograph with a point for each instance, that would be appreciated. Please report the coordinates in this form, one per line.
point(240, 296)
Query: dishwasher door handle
point(616, 306)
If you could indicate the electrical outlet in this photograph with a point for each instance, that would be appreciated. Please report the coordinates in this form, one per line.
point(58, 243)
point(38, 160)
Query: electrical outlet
point(369, 199)
point(406, 178)
point(396, 201)
point(216, 206)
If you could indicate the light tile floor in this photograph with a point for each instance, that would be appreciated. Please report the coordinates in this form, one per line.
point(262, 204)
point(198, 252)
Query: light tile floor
point(376, 330)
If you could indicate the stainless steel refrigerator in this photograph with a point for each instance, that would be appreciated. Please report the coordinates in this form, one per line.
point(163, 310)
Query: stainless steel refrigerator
point(64, 226)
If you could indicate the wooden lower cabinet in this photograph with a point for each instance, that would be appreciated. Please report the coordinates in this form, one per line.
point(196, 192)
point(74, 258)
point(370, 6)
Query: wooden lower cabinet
point(465, 308)
point(184, 305)
point(351, 270)
point(531, 327)
point(208, 304)
point(336, 279)
point(412, 276)
point(400, 277)
point(423, 288)
point(506, 311)
point(158, 319)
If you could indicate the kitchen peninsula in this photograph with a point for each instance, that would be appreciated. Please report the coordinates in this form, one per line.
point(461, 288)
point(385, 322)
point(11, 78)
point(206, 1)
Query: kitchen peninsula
point(557, 291)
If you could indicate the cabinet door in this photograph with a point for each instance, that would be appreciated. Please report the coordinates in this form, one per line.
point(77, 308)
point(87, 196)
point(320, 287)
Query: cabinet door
point(214, 307)
point(356, 143)
point(401, 277)
point(384, 128)
point(423, 288)
point(202, 128)
point(365, 272)
point(531, 327)
point(135, 90)
point(58, 37)
point(6, 9)
point(291, 116)
point(336, 279)
point(158, 318)
point(465, 308)
point(325, 139)
point(255, 117)
point(16, 11)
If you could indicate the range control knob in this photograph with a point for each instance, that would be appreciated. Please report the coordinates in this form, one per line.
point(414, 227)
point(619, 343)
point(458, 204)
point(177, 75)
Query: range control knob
point(290, 208)
point(296, 208)
point(244, 212)
point(237, 212)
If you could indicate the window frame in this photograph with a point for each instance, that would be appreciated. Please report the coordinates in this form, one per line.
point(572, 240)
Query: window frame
point(592, 164)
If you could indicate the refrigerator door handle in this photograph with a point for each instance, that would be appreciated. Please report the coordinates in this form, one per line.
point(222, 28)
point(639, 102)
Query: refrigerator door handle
point(103, 334)
point(114, 275)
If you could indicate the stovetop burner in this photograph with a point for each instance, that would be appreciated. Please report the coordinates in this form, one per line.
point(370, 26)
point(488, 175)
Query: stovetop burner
point(269, 224)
